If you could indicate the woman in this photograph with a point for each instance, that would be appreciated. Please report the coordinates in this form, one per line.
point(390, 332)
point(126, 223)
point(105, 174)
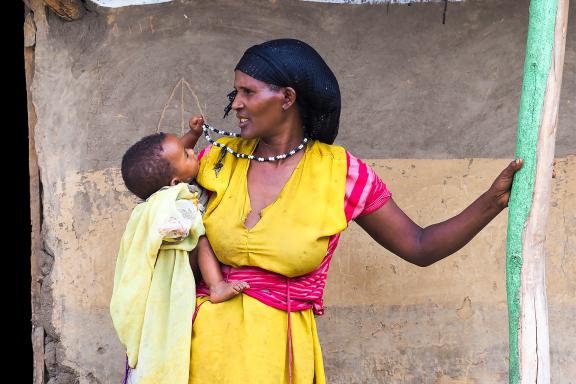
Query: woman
point(276, 224)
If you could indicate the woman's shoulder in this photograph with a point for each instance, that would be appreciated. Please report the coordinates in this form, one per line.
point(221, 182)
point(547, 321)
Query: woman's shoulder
point(331, 150)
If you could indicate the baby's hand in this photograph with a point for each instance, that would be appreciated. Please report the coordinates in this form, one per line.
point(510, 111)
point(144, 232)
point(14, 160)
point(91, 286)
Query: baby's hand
point(195, 124)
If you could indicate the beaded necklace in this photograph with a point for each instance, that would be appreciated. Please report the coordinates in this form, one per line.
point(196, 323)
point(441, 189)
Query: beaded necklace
point(226, 149)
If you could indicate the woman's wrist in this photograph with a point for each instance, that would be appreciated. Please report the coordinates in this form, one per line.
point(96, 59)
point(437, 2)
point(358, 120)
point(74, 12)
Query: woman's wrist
point(492, 203)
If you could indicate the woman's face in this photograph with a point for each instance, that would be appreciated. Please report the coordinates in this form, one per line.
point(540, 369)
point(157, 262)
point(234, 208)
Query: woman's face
point(258, 107)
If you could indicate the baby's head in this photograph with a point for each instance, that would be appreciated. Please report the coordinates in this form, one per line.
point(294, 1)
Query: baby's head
point(156, 161)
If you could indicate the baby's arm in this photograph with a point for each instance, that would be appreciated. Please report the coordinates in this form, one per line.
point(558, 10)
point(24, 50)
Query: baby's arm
point(190, 138)
point(193, 259)
point(220, 290)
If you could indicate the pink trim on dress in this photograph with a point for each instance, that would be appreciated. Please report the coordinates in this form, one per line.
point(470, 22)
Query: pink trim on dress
point(203, 152)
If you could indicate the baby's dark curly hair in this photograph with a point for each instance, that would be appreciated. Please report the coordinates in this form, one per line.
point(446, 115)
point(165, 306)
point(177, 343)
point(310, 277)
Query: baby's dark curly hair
point(144, 169)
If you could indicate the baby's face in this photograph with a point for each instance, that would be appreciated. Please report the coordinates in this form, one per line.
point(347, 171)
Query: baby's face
point(184, 162)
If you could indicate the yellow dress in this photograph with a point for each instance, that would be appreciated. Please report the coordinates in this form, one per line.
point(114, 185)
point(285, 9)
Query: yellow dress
point(243, 340)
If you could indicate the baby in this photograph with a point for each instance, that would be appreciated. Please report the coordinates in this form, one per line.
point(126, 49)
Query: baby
point(162, 160)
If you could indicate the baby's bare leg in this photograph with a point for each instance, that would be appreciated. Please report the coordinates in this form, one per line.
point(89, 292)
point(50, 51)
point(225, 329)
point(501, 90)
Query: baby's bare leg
point(220, 290)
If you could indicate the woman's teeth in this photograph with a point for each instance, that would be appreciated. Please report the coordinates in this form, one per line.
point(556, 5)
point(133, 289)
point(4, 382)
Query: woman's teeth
point(243, 120)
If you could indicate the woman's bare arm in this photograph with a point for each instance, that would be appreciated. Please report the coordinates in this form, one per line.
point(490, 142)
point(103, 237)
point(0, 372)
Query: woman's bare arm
point(395, 231)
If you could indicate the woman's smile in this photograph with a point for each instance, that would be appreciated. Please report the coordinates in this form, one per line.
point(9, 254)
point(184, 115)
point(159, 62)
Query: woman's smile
point(243, 122)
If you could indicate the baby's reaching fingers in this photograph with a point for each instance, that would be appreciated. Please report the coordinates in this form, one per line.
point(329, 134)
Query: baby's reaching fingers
point(195, 123)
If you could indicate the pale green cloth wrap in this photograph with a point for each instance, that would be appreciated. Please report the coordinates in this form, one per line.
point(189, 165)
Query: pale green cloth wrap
point(154, 292)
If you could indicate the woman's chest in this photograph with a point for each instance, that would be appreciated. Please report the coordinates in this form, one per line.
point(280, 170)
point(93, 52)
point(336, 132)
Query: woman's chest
point(265, 183)
point(271, 228)
point(296, 212)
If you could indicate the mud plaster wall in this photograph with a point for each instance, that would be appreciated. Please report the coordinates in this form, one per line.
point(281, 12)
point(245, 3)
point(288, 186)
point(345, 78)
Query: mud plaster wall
point(432, 107)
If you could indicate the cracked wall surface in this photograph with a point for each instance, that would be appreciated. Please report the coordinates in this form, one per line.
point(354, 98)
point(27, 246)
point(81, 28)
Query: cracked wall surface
point(431, 107)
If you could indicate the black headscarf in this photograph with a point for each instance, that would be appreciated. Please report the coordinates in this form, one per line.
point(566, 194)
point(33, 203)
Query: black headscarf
point(293, 63)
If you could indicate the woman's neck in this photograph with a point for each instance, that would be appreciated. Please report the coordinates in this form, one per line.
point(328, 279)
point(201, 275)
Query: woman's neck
point(272, 146)
point(284, 140)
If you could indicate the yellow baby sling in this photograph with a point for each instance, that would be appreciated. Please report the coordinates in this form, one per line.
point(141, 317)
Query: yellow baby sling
point(154, 293)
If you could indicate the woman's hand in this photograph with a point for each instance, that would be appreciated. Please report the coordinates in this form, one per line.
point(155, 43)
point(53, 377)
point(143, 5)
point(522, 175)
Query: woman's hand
point(499, 192)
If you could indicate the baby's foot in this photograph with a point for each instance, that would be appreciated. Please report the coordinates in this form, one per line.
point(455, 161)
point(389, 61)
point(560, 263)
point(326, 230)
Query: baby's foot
point(223, 291)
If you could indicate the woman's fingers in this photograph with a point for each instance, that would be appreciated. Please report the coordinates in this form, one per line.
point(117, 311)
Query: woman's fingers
point(514, 166)
point(517, 164)
point(503, 183)
point(507, 174)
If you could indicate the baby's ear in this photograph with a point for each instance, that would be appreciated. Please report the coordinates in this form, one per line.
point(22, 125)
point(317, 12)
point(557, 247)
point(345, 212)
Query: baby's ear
point(174, 181)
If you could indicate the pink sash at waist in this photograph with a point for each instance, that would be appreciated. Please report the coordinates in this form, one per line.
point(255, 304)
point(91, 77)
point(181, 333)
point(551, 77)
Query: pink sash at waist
point(278, 291)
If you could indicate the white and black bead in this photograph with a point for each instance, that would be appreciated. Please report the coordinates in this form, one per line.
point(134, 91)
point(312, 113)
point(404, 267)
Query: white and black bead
point(206, 127)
